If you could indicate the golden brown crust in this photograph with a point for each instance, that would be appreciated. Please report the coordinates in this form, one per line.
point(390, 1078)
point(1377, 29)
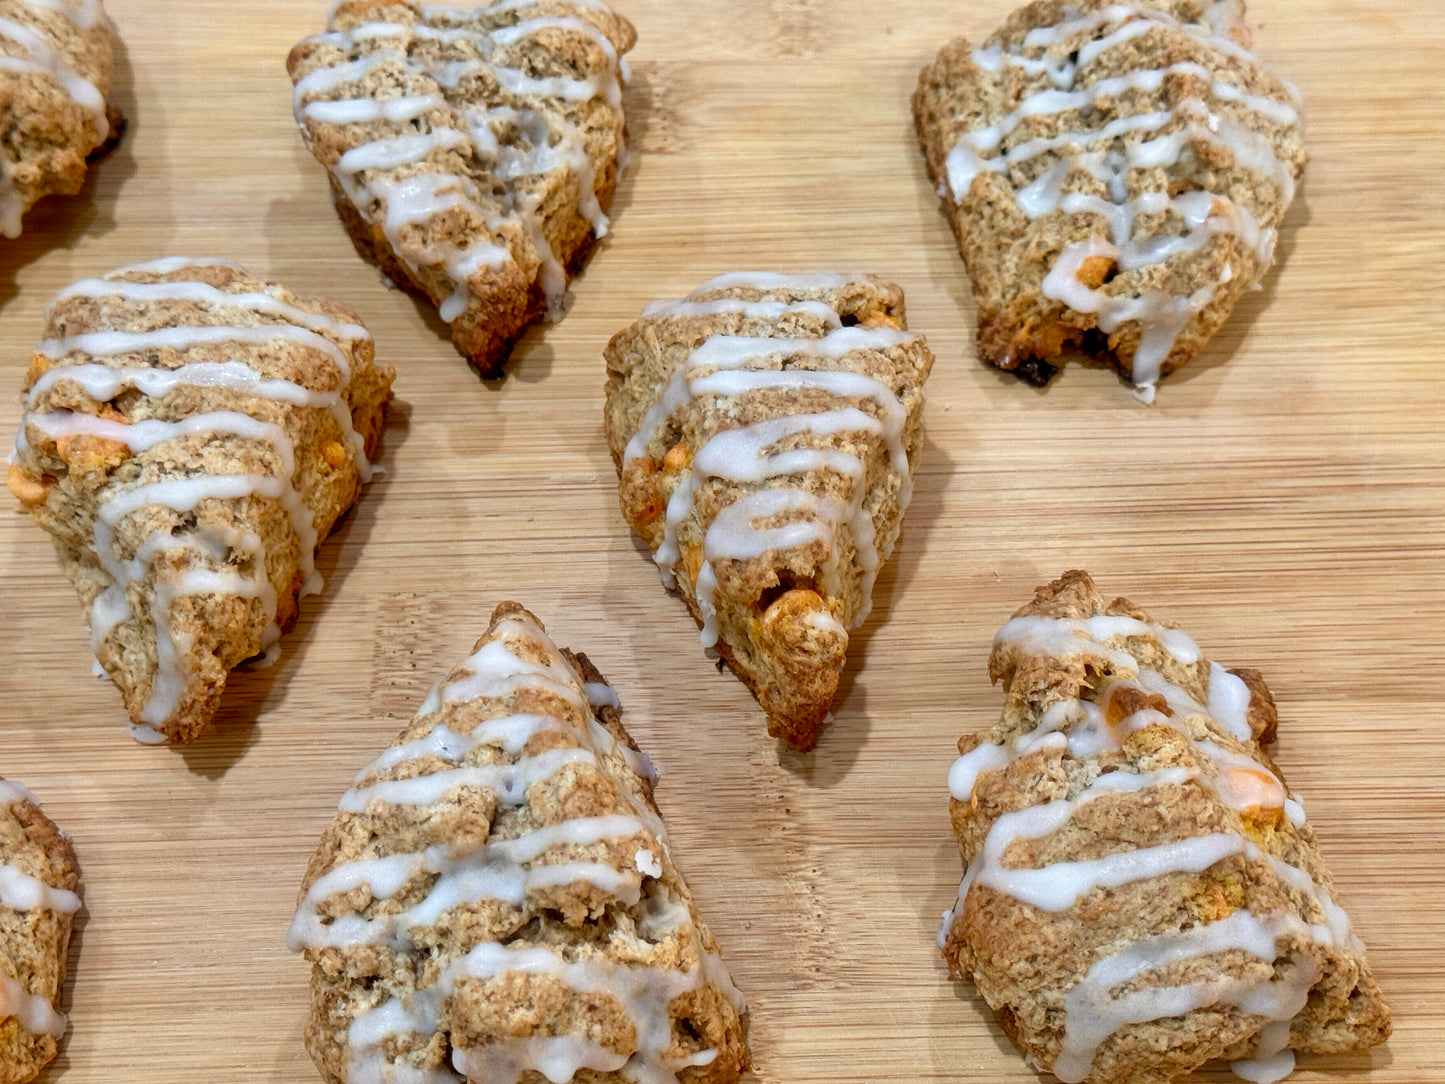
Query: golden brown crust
point(480, 178)
point(1049, 204)
point(183, 507)
point(1121, 744)
point(502, 872)
point(778, 561)
point(33, 942)
point(53, 109)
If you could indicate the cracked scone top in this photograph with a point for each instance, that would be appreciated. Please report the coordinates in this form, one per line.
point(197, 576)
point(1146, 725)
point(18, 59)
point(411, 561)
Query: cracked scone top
point(38, 903)
point(190, 433)
point(765, 431)
point(1116, 174)
point(1143, 892)
point(56, 63)
point(496, 898)
point(472, 153)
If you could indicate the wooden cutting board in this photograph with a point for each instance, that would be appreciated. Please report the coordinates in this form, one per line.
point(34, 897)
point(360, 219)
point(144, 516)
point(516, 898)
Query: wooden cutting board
point(1282, 501)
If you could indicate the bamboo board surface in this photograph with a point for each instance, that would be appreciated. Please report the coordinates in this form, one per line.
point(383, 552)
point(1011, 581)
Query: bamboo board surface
point(1282, 501)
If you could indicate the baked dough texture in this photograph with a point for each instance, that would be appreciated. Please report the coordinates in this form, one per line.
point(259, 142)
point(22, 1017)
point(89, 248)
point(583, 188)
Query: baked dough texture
point(190, 434)
point(56, 63)
point(1143, 891)
point(497, 899)
point(472, 153)
point(38, 902)
point(1116, 175)
point(765, 431)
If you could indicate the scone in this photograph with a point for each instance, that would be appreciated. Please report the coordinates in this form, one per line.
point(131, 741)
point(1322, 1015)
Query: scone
point(1143, 891)
point(765, 432)
point(38, 903)
point(190, 434)
point(1116, 175)
point(497, 900)
point(472, 153)
point(56, 62)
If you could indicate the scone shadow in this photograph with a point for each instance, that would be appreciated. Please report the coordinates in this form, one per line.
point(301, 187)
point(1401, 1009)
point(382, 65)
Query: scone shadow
point(249, 690)
point(637, 107)
point(58, 222)
point(843, 739)
point(1227, 340)
point(54, 1070)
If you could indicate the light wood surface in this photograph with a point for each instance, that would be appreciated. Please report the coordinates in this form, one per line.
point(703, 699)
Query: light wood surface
point(1282, 501)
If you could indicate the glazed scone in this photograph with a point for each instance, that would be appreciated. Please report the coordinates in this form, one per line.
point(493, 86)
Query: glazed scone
point(1143, 891)
point(56, 63)
point(190, 434)
point(496, 898)
point(38, 881)
point(765, 431)
point(1116, 175)
point(472, 153)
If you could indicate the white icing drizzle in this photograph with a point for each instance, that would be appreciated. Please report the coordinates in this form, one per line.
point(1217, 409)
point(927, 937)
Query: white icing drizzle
point(1093, 1010)
point(508, 871)
point(546, 140)
point(39, 57)
point(35, 1013)
point(1099, 151)
point(210, 546)
point(748, 310)
point(20, 891)
point(736, 366)
point(12, 791)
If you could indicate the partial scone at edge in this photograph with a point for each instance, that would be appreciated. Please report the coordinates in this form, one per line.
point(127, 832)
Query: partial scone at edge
point(190, 435)
point(55, 90)
point(1125, 217)
point(497, 893)
point(1143, 893)
point(765, 430)
point(38, 903)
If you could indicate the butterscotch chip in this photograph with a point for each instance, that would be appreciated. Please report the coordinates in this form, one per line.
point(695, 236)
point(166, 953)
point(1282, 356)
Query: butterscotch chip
point(765, 431)
point(472, 153)
point(1144, 893)
point(38, 903)
point(1116, 175)
point(497, 895)
point(192, 436)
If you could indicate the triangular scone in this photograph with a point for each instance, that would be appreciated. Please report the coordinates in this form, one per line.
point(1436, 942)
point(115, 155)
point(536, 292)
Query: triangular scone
point(472, 153)
point(56, 63)
point(1115, 174)
point(497, 897)
point(1143, 892)
point(190, 434)
point(765, 431)
point(38, 879)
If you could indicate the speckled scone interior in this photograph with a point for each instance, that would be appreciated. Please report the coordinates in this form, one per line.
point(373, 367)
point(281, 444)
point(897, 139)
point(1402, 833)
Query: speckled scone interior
point(38, 881)
point(58, 59)
point(1143, 891)
point(497, 896)
point(1116, 175)
point(472, 153)
point(765, 431)
point(190, 433)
